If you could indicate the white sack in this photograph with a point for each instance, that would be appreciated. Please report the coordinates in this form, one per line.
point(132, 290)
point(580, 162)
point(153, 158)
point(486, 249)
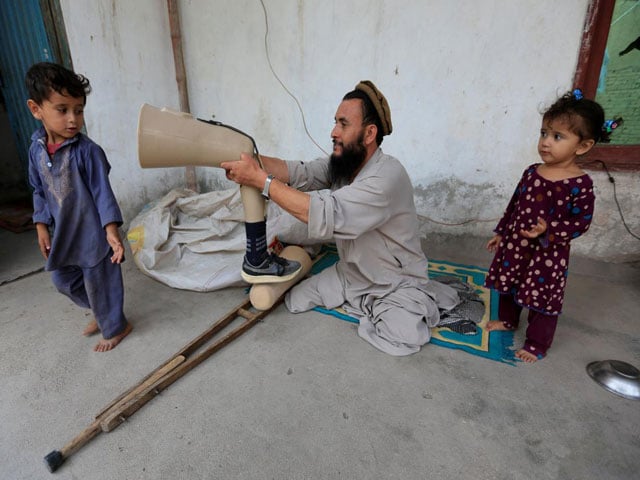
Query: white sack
point(197, 241)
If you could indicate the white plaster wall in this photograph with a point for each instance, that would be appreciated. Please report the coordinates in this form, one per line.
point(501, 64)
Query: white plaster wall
point(466, 81)
point(124, 48)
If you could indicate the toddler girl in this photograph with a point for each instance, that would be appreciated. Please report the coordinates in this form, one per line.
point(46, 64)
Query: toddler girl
point(552, 205)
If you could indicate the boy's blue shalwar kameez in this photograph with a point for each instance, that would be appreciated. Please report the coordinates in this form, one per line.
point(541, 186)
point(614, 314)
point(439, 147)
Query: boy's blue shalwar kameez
point(73, 196)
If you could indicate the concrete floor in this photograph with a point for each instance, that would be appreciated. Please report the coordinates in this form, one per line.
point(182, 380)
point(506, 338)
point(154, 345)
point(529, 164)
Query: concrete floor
point(303, 397)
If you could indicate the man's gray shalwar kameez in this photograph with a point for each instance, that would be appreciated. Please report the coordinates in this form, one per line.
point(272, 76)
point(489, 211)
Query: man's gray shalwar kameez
point(381, 275)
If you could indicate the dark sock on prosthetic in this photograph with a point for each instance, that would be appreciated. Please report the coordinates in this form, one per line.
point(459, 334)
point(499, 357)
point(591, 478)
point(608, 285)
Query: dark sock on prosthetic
point(256, 242)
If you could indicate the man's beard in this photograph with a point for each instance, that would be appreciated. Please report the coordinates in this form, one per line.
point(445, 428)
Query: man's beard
point(343, 167)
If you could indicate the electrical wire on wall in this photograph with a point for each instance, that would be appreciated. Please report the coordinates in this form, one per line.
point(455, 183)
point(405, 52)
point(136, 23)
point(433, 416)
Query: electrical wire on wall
point(464, 222)
point(615, 198)
point(266, 49)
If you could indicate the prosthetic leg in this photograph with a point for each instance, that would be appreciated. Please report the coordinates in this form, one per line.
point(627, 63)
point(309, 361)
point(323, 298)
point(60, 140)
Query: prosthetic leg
point(167, 138)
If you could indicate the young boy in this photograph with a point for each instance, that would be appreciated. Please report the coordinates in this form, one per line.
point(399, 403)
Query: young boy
point(73, 199)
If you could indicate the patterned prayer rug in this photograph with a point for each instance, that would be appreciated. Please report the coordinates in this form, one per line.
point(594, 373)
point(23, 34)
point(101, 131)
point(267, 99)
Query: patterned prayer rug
point(496, 345)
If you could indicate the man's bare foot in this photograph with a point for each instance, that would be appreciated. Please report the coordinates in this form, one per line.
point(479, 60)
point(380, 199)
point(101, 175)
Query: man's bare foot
point(106, 344)
point(526, 357)
point(91, 328)
point(496, 325)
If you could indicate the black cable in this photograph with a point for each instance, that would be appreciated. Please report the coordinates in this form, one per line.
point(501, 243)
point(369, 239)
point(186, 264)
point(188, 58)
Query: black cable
point(615, 198)
point(237, 130)
point(266, 50)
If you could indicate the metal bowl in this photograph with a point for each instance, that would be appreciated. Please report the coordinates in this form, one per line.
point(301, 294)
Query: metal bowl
point(617, 377)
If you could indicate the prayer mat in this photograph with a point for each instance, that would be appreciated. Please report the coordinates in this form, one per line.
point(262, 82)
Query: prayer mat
point(496, 345)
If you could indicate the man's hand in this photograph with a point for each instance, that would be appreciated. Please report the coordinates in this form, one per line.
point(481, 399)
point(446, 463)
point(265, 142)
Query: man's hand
point(494, 243)
point(536, 230)
point(245, 171)
point(44, 239)
point(113, 237)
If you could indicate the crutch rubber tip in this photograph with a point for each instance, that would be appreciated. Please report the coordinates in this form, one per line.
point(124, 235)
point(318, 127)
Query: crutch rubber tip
point(53, 460)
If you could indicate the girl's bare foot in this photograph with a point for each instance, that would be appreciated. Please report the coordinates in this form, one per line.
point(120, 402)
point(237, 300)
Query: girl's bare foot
point(526, 357)
point(91, 328)
point(496, 325)
point(106, 344)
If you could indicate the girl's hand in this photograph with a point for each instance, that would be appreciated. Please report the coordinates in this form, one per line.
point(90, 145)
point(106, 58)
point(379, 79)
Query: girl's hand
point(536, 230)
point(494, 243)
point(113, 237)
point(44, 239)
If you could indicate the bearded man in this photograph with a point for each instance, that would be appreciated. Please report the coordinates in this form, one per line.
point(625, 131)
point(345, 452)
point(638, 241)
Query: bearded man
point(361, 199)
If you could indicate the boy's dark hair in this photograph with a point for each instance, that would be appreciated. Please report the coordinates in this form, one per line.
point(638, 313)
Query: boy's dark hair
point(585, 117)
point(369, 113)
point(45, 77)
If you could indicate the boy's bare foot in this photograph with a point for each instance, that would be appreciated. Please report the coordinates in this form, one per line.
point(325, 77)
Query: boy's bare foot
point(106, 344)
point(496, 325)
point(526, 357)
point(91, 328)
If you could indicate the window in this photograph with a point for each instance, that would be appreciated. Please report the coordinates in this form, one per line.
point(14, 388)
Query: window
point(609, 71)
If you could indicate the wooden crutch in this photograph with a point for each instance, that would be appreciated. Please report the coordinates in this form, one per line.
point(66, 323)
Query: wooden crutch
point(176, 366)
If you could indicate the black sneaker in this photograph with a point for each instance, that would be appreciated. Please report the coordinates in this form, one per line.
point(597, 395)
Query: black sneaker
point(273, 269)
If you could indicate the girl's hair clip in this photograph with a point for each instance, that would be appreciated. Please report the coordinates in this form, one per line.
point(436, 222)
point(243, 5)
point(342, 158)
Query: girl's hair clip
point(577, 94)
point(610, 125)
